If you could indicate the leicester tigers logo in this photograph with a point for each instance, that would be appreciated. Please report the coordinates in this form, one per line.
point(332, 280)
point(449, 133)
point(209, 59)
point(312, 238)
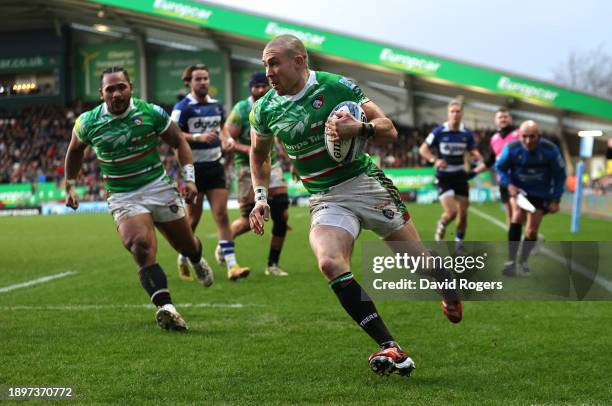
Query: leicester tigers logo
point(388, 213)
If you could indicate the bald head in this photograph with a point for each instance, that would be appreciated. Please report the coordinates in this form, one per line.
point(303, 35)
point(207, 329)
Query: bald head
point(289, 45)
point(530, 134)
point(286, 63)
point(530, 126)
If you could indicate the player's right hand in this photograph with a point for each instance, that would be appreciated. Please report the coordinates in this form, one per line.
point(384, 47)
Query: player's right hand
point(228, 144)
point(209, 137)
point(72, 199)
point(440, 163)
point(513, 191)
point(259, 215)
point(342, 126)
point(190, 192)
point(553, 207)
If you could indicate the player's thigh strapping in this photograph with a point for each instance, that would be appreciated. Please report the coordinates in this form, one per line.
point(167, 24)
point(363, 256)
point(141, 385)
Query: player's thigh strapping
point(369, 201)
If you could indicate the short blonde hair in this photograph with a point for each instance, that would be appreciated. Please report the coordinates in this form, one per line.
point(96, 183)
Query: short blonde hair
point(291, 46)
point(456, 102)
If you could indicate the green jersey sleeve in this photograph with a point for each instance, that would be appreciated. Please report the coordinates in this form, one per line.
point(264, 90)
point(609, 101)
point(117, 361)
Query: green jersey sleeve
point(161, 119)
point(80, 129)
point(257, 120)
point(352, 90)
point(235, 117)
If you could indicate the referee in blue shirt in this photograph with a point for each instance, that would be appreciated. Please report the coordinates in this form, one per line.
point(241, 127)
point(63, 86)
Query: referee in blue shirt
point(534, 168)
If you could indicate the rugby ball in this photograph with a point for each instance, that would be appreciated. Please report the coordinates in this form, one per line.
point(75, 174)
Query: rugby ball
point(345, 151)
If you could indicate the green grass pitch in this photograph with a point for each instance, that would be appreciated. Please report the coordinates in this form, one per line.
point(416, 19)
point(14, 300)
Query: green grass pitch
point(286, 340)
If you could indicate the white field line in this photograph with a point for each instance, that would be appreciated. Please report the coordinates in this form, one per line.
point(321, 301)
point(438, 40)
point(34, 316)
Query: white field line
point(124, 306)
point(33, 282)
point(598, 279)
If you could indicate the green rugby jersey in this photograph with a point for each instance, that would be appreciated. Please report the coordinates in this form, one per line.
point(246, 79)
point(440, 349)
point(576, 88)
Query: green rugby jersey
point(126, 145)
point(240, 118)
point(299, 123)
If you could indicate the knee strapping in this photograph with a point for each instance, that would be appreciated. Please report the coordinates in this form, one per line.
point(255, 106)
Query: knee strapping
point(278, 205)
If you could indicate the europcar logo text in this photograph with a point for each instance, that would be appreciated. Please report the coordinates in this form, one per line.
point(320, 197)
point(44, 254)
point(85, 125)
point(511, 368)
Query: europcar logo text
point(192, 13)
point(524, 90)
point(310, 40)
point(422, 66)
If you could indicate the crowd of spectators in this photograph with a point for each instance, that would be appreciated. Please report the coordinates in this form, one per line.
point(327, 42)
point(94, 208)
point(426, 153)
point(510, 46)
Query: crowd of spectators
point(405, 152)
point(33, 144)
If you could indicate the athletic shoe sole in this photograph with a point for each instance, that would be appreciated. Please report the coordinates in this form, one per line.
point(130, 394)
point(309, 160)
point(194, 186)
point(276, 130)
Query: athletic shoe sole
point(183, 271)
point(453, 310)
point(169, 321)
point(242, 274)
point(384, 365)
point(204, 275)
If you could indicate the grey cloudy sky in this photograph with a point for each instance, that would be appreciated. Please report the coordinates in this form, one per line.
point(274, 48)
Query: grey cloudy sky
point(530, 37)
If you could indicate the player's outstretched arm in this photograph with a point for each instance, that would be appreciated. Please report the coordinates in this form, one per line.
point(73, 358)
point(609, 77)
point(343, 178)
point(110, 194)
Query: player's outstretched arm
point(72, 167)
point(173, 137)
point(260, 176)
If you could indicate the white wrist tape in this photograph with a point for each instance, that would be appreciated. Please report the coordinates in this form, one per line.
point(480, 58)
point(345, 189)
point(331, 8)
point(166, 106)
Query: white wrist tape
point(188, 173)
point(261, 194)
point(196, 137)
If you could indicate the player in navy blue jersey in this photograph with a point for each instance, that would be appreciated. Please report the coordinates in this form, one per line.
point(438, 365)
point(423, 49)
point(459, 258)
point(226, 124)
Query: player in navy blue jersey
point(534, 168)
point(452, 140)
point(201, 119)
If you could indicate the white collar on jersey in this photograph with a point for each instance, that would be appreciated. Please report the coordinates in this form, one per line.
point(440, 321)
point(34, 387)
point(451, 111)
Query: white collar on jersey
point(193, 100)
point(105, 111)
point(447, 128)
point(312, 80)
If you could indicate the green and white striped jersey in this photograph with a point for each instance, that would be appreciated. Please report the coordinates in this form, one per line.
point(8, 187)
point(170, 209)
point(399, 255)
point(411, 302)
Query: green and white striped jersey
point(126, 145)
point(299, 123)
point(240, 118)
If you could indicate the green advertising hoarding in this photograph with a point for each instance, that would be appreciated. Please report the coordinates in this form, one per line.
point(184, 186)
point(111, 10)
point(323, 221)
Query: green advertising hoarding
point(31, 195)
point(372, 53)
point(92, 59)
point(167, 69)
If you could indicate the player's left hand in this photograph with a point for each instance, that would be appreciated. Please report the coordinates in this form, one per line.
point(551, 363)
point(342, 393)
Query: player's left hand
point(228, 144)
point(553, 207)
point(190, 192)
point(342, 126)
point(259, 215)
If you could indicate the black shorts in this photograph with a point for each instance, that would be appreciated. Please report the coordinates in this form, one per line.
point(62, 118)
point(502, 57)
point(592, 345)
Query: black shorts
point(210, 177)
point(457, 183)
point(504, 194)
point(540, 203)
